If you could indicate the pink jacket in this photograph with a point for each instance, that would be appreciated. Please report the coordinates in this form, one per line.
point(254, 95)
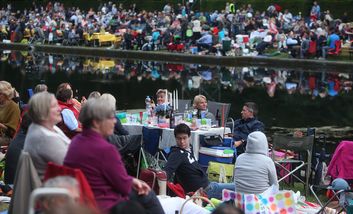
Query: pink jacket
point(341, 165)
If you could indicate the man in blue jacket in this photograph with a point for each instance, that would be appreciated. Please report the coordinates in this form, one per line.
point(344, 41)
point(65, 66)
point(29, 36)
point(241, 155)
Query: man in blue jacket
point(331, 42)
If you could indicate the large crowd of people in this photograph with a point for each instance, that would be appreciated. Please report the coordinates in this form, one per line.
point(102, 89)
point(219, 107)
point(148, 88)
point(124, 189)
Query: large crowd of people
point(47, 129)
point(236, 30)
point(57, 128)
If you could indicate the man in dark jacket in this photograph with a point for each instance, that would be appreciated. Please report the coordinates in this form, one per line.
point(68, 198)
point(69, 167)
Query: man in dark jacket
point(243, 127)
point(187, 171)
point(182, 163)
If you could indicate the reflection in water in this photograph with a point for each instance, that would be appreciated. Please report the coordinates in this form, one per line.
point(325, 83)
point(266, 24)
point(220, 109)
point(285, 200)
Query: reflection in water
point(190, 76)
point(286, 98)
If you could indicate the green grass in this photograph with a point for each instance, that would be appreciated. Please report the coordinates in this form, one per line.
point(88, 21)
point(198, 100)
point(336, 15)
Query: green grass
point(300, 187)
point(343, 56)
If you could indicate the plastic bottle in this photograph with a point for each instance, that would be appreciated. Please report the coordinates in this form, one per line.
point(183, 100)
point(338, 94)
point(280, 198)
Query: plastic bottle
point(148, 105)
point(171, 119)
point(186, 113)
point(194, 118)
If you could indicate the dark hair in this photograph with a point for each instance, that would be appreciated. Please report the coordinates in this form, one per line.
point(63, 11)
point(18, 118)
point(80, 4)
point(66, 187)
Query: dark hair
point(64, 95)
point(227, 209)
point(62, 86)
point(252, 107)
point(182, 129)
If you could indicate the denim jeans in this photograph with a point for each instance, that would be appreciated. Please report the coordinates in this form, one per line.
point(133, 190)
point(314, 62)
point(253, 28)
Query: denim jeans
point(325, 49)
point(214, 189)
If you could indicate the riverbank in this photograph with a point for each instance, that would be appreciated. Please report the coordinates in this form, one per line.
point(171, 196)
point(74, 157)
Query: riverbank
point(243, 61)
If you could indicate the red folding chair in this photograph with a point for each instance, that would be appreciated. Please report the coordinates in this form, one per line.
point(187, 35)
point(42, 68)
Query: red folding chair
point(86, 194)
point(312, 48)
point(337, 50)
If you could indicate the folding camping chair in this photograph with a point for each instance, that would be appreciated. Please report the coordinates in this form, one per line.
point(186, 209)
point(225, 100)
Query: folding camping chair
point(86, 194)
point(337, 50)
point(221, 112)
point(221, 108)
point(151, 138)
point(301, 145)
point(341, 192)
point(38, 193)
point(184, 105)
point(26, 180)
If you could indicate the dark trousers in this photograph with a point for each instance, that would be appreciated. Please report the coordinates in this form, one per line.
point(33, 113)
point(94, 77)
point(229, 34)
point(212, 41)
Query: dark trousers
point(147, 203)
point(201, 46)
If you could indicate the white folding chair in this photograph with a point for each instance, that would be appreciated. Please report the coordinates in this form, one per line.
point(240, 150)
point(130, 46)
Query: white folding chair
point(299, 145)
point(47, 192)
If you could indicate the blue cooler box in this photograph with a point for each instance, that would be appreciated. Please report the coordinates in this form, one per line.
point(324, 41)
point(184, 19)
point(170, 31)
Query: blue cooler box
point(216, 154)
point(228, 141)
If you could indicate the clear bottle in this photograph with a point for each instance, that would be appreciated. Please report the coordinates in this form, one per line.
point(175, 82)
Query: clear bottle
point(186, 113)
point(194, 119)
point(148, 105)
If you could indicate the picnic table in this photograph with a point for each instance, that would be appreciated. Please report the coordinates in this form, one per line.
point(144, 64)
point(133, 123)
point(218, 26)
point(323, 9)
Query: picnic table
point(99, 38)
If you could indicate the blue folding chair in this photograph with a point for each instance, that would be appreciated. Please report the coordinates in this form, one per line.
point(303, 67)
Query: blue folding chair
point(30, 92)
point(150, 143)
point(151, 138)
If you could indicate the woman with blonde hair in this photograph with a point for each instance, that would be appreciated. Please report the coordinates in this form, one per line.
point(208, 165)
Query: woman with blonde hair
point(9, 113)
point(200, 105)
point(161, 96)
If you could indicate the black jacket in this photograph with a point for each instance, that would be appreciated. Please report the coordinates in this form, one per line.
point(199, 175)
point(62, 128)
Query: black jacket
point(242, 128)
point(188, 172)
point(119, 128)
point(12, 156)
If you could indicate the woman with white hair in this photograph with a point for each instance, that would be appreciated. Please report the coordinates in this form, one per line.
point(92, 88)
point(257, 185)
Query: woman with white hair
point(45, 142)
point(101, 162)
point(109, 99)
point(9, 113)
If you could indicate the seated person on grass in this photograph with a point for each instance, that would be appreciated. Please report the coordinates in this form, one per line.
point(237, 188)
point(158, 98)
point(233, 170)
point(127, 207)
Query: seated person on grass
point(255, 171)
point(187, 171)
